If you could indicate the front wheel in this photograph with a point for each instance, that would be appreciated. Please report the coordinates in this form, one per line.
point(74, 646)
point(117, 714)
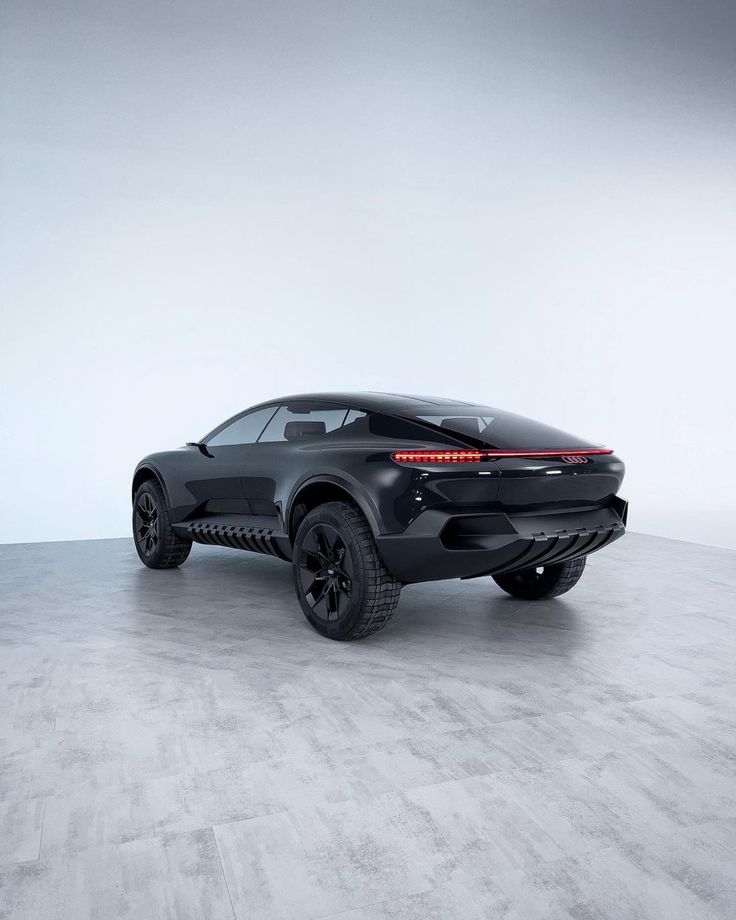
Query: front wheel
point(543, 581)
point(344, 589)
point(157, 545)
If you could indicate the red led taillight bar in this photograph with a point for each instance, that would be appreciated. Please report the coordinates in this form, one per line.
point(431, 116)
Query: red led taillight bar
point(475, 456)
point(437, 456)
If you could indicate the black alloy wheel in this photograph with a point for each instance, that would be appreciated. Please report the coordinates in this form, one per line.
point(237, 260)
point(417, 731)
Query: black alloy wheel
point(343, 588)
point(157, 545)
point(326, 572)
point(146, 524)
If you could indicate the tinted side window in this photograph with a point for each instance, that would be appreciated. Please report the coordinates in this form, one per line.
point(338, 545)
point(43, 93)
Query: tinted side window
point(473, 425)
point(386, 426)
point(375, 424)
point(504, 430)
point(354, 415)
point(303, 422)
point(243, 430)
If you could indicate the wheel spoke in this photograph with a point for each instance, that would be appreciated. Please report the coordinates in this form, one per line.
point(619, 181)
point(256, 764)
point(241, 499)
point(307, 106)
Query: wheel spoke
point(322, 545)
point(310, 546)
point(320, 601)
point(307, 579)
point(329, 545)
point(325, 572)
point(333, 600)
point(317, 591)
point(311, 562)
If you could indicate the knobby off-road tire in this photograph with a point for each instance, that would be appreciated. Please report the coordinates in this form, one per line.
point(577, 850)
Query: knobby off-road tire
point(343, 587)
point(157, 545)
point(546, 581)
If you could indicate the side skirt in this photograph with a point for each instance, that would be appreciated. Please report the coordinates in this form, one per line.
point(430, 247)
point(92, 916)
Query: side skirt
point(237, 536)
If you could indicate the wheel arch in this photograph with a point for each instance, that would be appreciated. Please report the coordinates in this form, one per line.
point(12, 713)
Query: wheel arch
point(144, 473)
point(326, 488)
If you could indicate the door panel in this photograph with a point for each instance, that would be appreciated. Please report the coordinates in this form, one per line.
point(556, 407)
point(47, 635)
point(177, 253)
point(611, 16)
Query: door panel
point(234, 481)
point(253, 479)
point(223, 474)
point(220, 488)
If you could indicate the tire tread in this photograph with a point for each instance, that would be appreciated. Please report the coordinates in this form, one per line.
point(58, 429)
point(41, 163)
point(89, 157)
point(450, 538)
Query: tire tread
point(558, 579)
point(381, 589)
point(569, 577)
point(174, 550)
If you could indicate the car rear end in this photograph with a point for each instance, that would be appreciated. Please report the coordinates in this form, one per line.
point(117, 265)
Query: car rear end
point(518, 495)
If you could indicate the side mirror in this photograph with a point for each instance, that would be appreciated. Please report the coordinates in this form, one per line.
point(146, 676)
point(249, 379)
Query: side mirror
point(201, 447)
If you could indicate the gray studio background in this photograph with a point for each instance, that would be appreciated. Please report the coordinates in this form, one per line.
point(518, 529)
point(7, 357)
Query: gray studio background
point(204, 205)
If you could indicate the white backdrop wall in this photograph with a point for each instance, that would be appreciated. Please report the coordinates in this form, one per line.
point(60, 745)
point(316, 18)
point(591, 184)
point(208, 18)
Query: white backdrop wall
point(205, 205)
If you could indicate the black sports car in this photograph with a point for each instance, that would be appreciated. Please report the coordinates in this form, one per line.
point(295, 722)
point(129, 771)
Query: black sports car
point(366, 492)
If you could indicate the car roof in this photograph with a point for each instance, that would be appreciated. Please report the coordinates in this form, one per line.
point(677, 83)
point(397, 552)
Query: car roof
point(376, 401)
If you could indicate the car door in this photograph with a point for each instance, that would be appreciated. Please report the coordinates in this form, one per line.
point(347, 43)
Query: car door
point(284, 451)
point(226, 460)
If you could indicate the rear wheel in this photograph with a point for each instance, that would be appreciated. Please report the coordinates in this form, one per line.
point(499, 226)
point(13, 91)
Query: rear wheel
point(157, 545)
point(543, 581)
point(344, 589)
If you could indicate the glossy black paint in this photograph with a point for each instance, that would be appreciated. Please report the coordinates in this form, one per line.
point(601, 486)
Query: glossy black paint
point(430, 521)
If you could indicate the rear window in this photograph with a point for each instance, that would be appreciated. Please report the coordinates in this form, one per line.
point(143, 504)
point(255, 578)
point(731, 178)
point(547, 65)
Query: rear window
point(503, 430)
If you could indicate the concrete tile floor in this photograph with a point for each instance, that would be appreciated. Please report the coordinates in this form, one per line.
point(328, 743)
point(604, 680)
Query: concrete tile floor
point(181, 745)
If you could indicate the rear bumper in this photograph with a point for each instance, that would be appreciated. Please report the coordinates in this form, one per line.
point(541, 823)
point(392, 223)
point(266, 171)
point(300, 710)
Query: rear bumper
point(442, 544)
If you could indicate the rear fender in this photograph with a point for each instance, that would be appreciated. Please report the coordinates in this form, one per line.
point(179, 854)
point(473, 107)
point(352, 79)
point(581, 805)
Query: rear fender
point(356, 492)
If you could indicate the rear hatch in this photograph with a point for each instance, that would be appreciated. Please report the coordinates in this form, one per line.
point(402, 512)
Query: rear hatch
point(571, 480)
point(541, 468)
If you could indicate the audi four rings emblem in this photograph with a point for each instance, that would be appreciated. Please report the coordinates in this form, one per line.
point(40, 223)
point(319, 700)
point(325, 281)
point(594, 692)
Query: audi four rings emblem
point(575, 459)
